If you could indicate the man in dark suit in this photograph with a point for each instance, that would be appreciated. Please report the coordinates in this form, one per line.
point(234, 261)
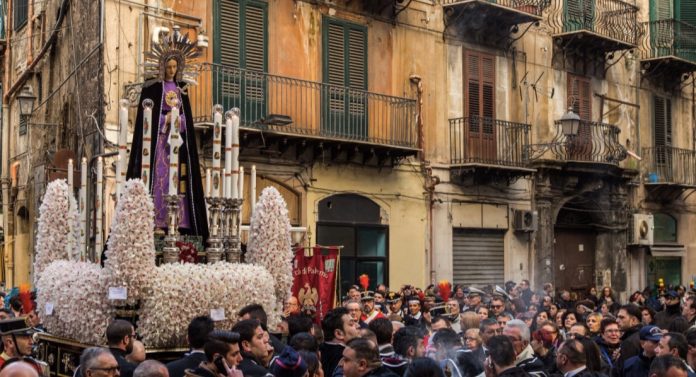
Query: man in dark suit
point(120, 335)
point(198, 331)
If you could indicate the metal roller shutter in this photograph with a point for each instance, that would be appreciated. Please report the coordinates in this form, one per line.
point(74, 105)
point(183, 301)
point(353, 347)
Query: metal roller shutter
point(478, 257)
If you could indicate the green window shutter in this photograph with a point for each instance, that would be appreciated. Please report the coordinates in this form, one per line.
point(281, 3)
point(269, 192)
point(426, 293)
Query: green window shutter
point(686, 11)
point(241, 34)
point(662, 122)
point(661, 9)
point(344, 69)
point(345, 54)
point(228, 36)
point(241, 47)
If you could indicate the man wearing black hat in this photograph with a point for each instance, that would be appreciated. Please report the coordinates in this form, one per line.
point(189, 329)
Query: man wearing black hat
point(475, 297)
point(368, 308)
point(394, 301)
point(671, 311)
point(222, 356)
point(16, 339)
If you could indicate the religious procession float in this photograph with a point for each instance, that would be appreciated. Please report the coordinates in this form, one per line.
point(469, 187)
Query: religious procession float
point(159, 283)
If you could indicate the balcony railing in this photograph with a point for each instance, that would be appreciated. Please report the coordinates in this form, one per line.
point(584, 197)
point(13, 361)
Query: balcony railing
point(595, 142)
point(612, 19)
point(478, 140)
point(669, 38)
point(315, 109)
point(533, 7)
point(668, 165)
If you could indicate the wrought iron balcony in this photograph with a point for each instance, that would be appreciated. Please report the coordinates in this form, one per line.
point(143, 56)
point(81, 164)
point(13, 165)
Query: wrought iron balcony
point(595, 142)
point(490, 21)
point(669, 166)
point(668, 47)
point(479, 141)
point(598, 25)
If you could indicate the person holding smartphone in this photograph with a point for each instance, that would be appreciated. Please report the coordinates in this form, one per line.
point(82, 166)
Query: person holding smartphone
point(222, 356)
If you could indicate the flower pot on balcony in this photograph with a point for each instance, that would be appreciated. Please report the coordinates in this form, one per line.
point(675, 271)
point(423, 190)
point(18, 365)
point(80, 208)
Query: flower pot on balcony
point(652, 177)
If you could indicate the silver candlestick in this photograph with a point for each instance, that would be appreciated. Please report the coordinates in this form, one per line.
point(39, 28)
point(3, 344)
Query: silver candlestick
point(170, 252)
point(214, 250)
point(234, 250)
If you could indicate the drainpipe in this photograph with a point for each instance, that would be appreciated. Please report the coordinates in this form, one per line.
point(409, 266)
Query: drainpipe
point(430, 182)
point(30, 32)
point(8, 247)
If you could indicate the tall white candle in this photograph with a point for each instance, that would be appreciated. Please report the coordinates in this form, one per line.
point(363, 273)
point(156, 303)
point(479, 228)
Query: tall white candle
point(70, 176)
point(233, 119)
point(119, 183)
point(228, 154)
point(83, 208)
point(174, 144)
point(147, 142)
point(99, 208)
point(208, 177)
point(122, 146)
point(217, 137)
point(252, 188)
point(241, 188)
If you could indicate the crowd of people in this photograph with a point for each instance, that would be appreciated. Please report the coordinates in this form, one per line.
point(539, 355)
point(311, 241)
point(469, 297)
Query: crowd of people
point(437, 332)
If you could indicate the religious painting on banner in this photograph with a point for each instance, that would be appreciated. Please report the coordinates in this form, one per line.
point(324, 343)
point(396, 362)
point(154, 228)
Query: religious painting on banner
point(314, 279)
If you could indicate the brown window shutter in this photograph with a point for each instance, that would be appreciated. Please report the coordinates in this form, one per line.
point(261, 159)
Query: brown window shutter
point(580, 96)
point(479, 81)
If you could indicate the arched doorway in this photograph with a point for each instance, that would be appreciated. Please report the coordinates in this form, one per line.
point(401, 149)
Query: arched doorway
point(355, 222)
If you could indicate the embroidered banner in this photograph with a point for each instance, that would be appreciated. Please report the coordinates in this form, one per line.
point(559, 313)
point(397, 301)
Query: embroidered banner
point(314, 279)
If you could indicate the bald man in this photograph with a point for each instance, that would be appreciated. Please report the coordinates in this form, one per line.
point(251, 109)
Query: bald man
point(19, 369)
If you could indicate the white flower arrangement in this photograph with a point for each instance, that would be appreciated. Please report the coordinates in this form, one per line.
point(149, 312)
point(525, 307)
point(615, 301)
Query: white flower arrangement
point(169, 295)
point(77, 293)
point(130, 255)
point(270, 244)
point(180, 292)
point(57, 227)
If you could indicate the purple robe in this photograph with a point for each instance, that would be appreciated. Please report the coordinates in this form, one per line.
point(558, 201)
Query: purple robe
point(160, 174)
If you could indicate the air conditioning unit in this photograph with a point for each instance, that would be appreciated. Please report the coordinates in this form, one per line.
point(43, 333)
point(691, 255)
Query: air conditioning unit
point(643, 229)
point(524, 220)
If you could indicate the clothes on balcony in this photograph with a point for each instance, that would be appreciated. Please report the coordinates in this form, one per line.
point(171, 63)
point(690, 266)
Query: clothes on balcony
point(192, 206)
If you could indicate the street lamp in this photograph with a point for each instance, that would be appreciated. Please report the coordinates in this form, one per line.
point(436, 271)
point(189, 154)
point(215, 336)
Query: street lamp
point(26, 100)
point(570, 123)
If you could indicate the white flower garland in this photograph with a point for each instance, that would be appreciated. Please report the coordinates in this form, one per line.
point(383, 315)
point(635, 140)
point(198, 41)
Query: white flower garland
point(270, 244)
point(180, 292)
point(57, 234)
point(130, 256)
point(77, 292)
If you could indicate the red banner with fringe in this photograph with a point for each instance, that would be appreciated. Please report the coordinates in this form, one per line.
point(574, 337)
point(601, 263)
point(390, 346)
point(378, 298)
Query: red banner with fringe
point(314, 272)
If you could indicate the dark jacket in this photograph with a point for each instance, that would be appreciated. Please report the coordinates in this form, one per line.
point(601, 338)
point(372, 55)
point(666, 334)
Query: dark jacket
point(637, 366)
point(665, 317)
point(177, 368)
point(251, 368)
point(331, 354)
point(396, 364)
point(606, 352)
point(514, 372)
point(379, 372)
point(630, 344)
point(126, 368)
point(530, 363)
point(199, 371)
point(549, 360)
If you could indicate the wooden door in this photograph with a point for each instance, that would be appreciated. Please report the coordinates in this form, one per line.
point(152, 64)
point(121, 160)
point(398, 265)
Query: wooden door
point(479, 106)
point(574, 257)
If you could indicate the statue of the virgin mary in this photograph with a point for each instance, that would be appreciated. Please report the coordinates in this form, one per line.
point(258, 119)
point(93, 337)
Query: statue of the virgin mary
point(168, 71)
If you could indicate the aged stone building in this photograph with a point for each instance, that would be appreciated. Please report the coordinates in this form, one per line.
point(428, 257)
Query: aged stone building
point(426, 137)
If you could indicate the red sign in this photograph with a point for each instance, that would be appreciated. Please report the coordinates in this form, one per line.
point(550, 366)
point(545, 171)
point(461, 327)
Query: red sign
point(314, 279)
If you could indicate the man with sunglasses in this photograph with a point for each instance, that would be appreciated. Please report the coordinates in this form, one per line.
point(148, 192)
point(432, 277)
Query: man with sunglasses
point(120, 335)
